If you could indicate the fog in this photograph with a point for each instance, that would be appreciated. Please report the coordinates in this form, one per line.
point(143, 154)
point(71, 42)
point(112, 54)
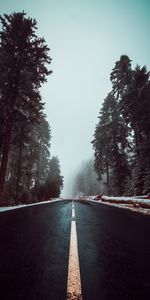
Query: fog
point(86, 38)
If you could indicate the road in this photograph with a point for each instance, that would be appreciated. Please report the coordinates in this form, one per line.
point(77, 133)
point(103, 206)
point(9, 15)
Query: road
point(113, 249)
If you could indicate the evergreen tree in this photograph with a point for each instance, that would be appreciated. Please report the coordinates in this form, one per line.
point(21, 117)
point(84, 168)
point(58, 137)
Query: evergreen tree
point(86, 182)
point(124, 118)
point(54, 182)
point(29, 158)
point(110, 145)
point(121, 76)
point(43, 159)
point(23, 59)
point(133, 92)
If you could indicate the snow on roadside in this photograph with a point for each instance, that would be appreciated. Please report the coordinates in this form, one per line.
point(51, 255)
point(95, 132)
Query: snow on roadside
point(137, 202)
point(27, 205)
point(134, 203)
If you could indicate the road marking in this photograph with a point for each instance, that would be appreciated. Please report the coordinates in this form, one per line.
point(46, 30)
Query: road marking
point(74, 279)
point(73, 213)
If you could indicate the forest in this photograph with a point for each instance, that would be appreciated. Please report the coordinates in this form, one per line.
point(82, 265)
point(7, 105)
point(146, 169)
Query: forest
point(85, 181)
point(122, 136)
point(27, 172)
point(121, 142)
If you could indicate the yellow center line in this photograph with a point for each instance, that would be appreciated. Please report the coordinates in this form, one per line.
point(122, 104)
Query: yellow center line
point(74, 280)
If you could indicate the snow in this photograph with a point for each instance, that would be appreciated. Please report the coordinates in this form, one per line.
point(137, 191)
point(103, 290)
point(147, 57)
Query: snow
point(136, 200)
point(27, 205)
point(134, 203)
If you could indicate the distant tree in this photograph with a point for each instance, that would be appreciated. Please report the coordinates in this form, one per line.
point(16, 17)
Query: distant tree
point(23, 60)
point(80, 184)
point(86, 181)
point(54, 182)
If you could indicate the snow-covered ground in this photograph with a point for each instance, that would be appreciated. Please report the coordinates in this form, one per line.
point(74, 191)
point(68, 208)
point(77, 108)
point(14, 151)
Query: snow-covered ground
point(24, 205)
point(136, 200)
point(135, 203)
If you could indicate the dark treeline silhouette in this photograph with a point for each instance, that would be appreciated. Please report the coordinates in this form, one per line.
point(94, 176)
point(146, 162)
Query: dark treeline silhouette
point(122, 136)
point(25, 134)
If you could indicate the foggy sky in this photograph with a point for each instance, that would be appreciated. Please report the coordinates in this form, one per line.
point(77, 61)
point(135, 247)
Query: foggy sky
point(86, 38)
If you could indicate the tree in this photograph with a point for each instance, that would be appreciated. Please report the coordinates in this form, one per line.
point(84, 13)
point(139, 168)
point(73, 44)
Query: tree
point(122, 136)
point(54, 182)
point(121, 76)
point(135, 105)
point(23, 60)
point(133, 92)
point(110, 145)
point(86, 182)
point(29, 158)
point(41, 136)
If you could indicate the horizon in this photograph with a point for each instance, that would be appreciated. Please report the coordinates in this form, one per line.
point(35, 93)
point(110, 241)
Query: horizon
point(86, 39)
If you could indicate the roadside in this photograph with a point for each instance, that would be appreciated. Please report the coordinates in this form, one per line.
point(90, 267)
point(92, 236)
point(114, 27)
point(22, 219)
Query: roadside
point(136, 203)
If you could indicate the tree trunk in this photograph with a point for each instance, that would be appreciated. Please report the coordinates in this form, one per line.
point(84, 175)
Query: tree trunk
point(120, 187)
point(4, 160)
point(19, 172)
point(38, 168)
point(11, 94)
point(138, 140)
point(37, 174)
point(108, 181)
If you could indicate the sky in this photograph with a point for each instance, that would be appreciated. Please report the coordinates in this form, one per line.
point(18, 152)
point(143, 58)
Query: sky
point(86, 38)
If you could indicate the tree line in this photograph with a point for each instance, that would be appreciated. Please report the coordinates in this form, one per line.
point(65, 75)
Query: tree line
point(27, 173)
point(85, 181)
point(122, 136)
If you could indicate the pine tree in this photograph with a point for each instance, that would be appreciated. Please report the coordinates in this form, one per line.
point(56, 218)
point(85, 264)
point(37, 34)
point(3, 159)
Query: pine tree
point(86, 182)
point(29, 157)
point(133, 92)
point(54, 181)
point(42, 134)
point(121, 76)
point(23, 60)
point(110, 145)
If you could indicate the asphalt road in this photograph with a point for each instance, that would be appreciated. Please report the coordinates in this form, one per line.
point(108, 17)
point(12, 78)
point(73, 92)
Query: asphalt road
point(114, 253)
point(34, 249)
point(113, 245)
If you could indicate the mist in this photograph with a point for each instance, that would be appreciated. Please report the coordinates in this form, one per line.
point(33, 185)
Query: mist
point(86, 38)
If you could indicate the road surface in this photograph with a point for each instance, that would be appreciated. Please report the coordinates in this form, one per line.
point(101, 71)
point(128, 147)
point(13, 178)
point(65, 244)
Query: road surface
point(113, 251)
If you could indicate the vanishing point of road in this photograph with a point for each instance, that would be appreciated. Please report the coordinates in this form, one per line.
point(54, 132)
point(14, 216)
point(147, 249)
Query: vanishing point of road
point(111, 252)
